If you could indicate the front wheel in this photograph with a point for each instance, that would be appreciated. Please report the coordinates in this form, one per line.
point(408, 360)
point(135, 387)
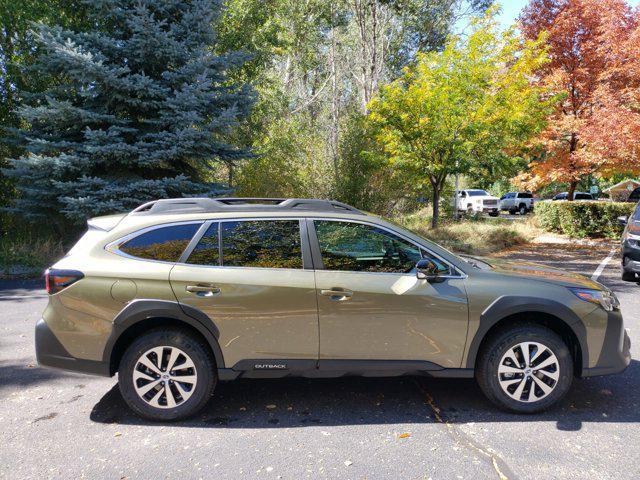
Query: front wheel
point(167, 374)
point(525, 369)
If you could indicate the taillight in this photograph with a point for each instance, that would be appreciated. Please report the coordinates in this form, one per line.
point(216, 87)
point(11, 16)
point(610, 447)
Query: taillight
point(56, 280)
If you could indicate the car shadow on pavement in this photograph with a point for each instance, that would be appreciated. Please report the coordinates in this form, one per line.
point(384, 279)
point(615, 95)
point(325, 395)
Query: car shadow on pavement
point(299, 402)
point(25, 374)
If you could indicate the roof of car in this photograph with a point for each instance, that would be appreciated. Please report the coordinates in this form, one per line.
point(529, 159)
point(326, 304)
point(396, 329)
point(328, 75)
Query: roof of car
point(172, 206)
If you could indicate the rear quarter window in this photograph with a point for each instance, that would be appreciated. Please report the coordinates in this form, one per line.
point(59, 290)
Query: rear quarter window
point(164, 244)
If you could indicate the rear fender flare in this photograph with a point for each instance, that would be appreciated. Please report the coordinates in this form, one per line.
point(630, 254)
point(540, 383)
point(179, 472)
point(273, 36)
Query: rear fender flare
point(142, 309)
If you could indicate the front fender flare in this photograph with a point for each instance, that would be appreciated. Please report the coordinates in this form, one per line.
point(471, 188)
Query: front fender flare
point(508, 305)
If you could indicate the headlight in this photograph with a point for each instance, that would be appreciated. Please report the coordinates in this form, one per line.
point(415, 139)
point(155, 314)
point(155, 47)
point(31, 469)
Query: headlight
point(633, 241)
point(604, 298)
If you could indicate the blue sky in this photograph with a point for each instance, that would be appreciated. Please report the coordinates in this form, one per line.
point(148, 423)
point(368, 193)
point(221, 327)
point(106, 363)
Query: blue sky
point(511, 9)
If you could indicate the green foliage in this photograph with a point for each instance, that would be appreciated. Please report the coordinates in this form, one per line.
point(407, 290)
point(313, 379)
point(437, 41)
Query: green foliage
point(18, 52)
point(28, 249)
point(582, 219)
point(366, 179)
point(289, 161)
point(142, 113)
point(462, 108)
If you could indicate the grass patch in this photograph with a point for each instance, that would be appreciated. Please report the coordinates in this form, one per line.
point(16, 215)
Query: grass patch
point(476, 236)
point(28, 253)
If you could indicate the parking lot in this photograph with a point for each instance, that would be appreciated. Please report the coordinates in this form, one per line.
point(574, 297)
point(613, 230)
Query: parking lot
point(63, 425)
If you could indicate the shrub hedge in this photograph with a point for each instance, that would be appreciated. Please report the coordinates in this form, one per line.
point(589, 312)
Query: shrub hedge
point(582, 219)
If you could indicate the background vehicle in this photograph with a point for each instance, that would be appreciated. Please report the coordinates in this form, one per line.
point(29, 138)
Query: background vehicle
point(521, 202)
point(631, 246)
point(576, 196)
point(477, 201)
point(182, 293)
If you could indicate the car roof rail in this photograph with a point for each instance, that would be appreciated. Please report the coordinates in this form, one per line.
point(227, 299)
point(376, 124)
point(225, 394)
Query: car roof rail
point(237, 204)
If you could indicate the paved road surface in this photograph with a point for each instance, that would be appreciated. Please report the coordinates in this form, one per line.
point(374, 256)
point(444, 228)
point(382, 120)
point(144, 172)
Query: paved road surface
point(63, 425)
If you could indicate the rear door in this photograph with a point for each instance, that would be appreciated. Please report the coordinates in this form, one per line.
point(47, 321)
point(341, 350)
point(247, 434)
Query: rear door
point(250, 278)
point(372, 306)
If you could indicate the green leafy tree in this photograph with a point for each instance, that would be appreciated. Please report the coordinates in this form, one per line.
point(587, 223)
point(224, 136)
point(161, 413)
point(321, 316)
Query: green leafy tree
point(473, 102)
point(18, 52)
point(142, 110)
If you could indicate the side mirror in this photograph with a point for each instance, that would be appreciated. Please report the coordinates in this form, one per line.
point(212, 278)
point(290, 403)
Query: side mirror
point(623, 220)
point(429, 270)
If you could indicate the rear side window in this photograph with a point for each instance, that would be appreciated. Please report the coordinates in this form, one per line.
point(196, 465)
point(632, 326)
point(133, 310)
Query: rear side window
point(164, 243)
point(207, 252)
point(261, 243)
point(525, 195)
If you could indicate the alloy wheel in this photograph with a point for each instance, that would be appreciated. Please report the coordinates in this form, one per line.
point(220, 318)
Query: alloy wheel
point(528, 372)
point(164, 377)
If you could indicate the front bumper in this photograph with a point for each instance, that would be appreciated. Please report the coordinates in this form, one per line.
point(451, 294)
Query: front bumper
point(630, 263)
point(615, 355)
point(51, 353)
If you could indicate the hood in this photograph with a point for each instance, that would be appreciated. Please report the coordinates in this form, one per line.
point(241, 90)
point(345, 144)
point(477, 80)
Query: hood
point(536, 271)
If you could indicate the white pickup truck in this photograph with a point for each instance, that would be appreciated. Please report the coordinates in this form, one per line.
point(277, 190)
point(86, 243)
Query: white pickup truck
point(521, 202)
point(478, 201)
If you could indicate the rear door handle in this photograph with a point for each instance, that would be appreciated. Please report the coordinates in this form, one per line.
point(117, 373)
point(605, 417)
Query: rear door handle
point(203, 290)
point(337, 294)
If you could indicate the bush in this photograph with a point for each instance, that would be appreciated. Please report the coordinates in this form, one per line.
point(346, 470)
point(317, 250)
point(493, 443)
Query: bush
point(582, 219)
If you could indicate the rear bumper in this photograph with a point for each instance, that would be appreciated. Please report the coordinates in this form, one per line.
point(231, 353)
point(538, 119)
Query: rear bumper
point(615, 355)
point(51, 353)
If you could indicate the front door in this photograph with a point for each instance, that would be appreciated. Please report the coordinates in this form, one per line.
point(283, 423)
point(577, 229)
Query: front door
point(248, 276)
point(373, 307)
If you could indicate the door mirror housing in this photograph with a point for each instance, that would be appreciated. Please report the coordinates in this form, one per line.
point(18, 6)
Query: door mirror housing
point(430, 270)
point(623, 220)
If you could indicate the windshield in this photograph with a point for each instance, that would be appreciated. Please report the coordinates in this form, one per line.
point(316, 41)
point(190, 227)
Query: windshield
point(477, 193)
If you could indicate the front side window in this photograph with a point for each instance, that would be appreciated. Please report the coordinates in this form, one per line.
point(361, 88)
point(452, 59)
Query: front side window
point(357, 247)
point(478, 193)
point(164, 243)
point(261, 243)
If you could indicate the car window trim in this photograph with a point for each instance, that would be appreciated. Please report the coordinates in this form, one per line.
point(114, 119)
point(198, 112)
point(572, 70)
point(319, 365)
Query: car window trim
point(319, 264)
point(114, 246)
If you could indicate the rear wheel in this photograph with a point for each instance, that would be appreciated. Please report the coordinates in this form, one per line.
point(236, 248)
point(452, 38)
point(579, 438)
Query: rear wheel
point(522, 210)
point(526, 369)
point(167, 374)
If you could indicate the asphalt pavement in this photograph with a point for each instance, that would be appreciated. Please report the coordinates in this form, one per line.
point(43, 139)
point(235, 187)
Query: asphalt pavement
point(63, 425)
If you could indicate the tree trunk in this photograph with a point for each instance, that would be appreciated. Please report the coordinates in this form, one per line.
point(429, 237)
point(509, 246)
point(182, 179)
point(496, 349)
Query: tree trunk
point(436, 205)
point(572, 190)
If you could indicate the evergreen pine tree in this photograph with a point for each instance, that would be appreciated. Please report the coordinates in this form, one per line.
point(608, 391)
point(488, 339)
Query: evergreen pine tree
point(141, 111)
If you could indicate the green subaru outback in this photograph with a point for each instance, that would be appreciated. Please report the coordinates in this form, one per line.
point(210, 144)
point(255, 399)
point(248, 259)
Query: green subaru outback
point(182, 293)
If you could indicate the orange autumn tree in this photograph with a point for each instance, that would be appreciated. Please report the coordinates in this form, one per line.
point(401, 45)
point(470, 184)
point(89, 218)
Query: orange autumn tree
point(594, 48)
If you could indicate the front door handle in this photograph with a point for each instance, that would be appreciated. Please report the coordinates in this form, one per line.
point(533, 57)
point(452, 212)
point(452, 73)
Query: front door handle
point(203, 290)
point(337, 294)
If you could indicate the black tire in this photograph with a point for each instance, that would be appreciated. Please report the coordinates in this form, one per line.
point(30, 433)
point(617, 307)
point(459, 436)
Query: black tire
point(512, 211)
point(522, 210)
point(492, 352)
point(494, 214)
point(199, 353)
